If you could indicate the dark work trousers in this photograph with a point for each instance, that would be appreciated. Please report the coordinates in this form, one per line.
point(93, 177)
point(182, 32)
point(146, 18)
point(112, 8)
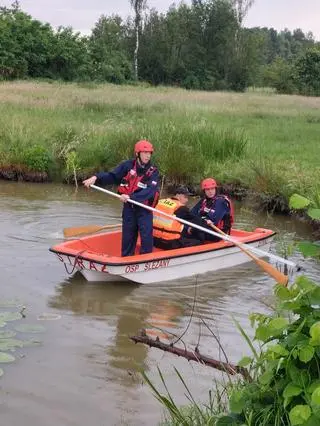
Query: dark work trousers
point(203, 236)
point(136, 220)
point(175, 244)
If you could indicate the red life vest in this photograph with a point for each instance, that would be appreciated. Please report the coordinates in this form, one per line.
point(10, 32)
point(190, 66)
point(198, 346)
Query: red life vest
point(132, 182)
point(226, 223)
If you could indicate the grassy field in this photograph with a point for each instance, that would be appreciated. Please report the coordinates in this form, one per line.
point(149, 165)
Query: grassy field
point(266, 142)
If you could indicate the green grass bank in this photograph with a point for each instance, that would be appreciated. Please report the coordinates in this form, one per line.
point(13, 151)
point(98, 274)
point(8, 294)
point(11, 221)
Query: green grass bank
point(258, 140)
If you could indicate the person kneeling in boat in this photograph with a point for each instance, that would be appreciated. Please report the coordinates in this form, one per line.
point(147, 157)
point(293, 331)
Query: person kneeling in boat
point(168, 233)
point(213, 209)
point(138, 180)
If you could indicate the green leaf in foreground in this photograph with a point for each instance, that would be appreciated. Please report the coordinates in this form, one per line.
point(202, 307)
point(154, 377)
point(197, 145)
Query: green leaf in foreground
point(278, 349)
point(237, 401)
point(245, 361)
point(6, 358)
point(299, 414)
point(291, 390)
point(306, 353)
point(30, 328)
point(316, 396)
point(315, 334)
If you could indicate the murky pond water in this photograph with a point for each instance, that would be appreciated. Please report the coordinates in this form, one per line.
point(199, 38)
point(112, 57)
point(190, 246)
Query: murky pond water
point(86, 371)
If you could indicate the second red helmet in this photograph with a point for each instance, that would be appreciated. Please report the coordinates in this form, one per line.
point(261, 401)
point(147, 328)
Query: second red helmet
point(208, 183)
point(143, 146)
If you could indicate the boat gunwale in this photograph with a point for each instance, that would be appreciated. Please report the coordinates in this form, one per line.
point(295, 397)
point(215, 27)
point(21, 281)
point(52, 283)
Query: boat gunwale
point(156, 258)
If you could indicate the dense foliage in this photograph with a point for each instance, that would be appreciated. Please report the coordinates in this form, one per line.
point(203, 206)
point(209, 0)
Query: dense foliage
point(285, 389)
point(197, 46)
point(284, 384)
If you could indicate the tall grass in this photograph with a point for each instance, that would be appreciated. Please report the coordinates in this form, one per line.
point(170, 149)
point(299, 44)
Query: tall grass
point(264, 141)
point(194, 414)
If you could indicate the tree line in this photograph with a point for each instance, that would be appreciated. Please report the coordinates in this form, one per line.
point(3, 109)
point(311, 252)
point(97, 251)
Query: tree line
point(200, 46)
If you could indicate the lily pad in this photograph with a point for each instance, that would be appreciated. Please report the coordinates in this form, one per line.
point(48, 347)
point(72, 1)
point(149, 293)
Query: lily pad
point(6, 358)
point(2, 323)
point(10, 316)
point(7, 334)
point(32, 342)
point(30, 328)
point(48, 317)
point(10, 344)
point(9, 303)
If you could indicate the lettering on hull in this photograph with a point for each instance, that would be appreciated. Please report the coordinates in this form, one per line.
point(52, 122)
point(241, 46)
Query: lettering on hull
point(144, 267)
point(81, 263)
point(156, 264)
point(93, 266)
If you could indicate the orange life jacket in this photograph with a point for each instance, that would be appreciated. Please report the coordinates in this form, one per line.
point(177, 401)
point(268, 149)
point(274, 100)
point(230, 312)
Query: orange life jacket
point(164, 227)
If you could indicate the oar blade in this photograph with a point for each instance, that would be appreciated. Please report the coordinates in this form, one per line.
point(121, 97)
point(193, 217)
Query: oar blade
point(269, 269)
point(88, 229)
point(273, 272)
point(80, 230)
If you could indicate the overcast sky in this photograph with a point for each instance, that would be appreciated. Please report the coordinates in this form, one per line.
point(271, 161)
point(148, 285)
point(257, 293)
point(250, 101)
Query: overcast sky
point(82, 14)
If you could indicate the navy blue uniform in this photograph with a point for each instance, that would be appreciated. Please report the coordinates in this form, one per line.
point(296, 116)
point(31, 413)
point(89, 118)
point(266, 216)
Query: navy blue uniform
point(218, 211)
point(134, 219)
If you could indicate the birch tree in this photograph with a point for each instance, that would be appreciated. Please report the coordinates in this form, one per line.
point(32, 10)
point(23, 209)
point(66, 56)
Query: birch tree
point(241, 8)
point(138, 6)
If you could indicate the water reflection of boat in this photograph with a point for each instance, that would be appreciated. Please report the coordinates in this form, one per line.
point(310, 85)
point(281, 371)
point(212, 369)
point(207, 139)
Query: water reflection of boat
point(82, 298)
point(116, 312)
point(98, 300)
point(98, 258)
point(123, 308)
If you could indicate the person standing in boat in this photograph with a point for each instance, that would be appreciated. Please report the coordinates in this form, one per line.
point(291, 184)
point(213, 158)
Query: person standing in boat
point(169, 233)
point(138, 180)
point(213, 209)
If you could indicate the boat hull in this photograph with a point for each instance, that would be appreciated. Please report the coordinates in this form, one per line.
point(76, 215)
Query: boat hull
point(161, 266)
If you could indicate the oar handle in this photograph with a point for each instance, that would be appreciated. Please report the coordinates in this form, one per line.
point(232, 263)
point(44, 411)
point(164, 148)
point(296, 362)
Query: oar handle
point(193, 225)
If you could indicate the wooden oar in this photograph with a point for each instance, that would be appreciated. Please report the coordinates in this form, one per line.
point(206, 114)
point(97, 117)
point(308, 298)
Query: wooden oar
point(223, 237)
point(269, 269)
point(88, 229)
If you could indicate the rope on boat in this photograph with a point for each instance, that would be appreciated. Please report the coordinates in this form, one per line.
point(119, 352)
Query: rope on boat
point(74, 263)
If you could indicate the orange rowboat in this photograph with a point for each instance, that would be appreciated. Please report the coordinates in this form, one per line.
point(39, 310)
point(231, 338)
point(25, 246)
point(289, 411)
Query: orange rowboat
point(98, 257)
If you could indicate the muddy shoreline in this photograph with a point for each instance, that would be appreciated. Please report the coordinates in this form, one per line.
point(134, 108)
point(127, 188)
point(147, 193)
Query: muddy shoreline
point(264, 202)
point(22, 174)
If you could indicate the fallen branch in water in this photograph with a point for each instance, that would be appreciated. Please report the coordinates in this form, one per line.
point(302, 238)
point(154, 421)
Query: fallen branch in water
point(192, 356)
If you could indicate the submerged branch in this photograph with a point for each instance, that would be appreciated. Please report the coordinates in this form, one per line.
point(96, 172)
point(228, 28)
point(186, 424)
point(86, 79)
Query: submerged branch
point(192, 356)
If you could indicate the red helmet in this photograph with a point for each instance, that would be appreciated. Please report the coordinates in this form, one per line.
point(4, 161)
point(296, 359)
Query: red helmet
point(208, 183)
point(143, 146)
